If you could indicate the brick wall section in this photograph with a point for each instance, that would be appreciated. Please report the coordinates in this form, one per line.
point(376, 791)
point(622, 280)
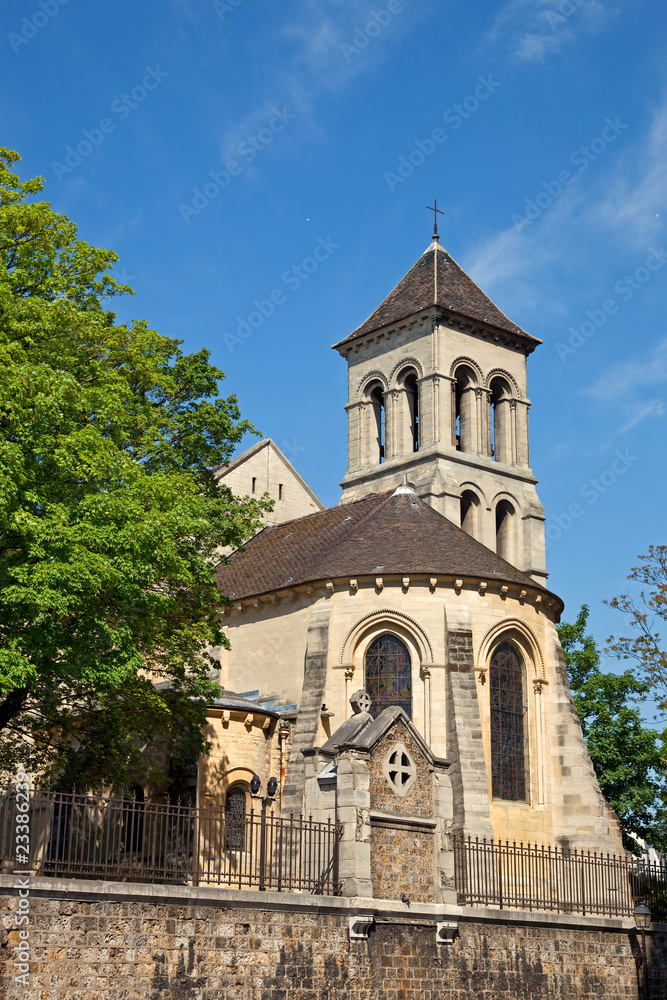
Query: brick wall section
point(128, 950)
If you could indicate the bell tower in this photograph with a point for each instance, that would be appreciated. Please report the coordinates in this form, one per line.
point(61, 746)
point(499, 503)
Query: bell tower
point(437, 391)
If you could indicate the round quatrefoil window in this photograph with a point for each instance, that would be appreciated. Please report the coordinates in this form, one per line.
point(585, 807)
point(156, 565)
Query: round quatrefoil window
point(399, 769)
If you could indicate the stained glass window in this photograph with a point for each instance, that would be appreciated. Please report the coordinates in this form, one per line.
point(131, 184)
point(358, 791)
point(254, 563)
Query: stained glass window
point(389, 674)
point(235, 819)
point(508, 724)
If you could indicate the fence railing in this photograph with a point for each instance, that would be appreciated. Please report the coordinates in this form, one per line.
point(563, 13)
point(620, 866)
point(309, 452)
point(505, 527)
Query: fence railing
point(530, 877)
point(90, 836)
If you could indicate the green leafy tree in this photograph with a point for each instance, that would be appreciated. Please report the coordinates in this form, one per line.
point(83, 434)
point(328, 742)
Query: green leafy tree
point(110, 516)
point(644, 645)
point(627, 756)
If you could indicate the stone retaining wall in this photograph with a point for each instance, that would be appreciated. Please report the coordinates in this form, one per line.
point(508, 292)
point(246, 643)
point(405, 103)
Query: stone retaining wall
point(100, 941)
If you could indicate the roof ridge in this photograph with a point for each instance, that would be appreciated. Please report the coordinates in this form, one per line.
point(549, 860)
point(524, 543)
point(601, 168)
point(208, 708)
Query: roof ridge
point(406, 275)
point(456, 292)
point(455, 262)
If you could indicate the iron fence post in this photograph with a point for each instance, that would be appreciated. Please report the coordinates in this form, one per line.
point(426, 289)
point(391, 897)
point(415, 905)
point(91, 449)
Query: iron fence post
point(262, 848)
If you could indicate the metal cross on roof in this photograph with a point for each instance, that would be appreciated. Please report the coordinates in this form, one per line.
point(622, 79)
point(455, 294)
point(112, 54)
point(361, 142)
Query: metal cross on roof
point(435, 211)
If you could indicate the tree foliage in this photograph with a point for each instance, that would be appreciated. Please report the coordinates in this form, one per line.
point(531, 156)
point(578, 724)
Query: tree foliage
point(627, 756)
point(644, 645)
point(110, 515)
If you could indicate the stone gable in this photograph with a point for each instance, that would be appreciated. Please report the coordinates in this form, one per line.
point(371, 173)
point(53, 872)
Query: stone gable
point(418, 801)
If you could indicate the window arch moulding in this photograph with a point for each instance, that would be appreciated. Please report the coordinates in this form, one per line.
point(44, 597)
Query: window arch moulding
point(386, 620)
point(463, 362)
point(405, 364)
point(510, 498)
point(238, 774)
point(367, 383)
point(390, 622)
point(500, 373)
point(468, 487)
point(512, 630)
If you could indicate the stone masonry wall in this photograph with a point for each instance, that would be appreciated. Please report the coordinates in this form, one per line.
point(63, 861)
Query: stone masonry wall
point(293, 948)
point(402, 859)
point(403, 862)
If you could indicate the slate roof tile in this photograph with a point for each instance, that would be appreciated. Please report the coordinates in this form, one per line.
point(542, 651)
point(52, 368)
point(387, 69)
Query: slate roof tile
point(381, 534)
point(437, 280)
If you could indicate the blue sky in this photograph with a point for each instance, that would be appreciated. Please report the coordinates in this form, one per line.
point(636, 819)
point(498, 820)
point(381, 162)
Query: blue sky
point(215, 145)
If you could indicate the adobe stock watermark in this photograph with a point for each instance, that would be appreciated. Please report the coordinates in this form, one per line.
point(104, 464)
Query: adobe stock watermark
point(624, 288)
point(247, 151)
point(22, 885)
point(591, 491)
point(292, 449)
point(222, 7)
point(454, 117)
point(559, 15)
point(122, 107)
point(582, 157)
point(292, 279)
point(31, 26)
point(378, 20)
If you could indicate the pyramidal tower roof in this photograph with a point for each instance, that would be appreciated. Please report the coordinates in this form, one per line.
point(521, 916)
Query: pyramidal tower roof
point(437, 280)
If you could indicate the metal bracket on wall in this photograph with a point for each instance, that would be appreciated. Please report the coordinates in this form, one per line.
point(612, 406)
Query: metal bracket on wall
point(445, 931)
point(360, 928)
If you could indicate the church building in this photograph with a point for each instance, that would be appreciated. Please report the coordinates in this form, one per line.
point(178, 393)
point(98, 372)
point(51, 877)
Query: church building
point(424, 590)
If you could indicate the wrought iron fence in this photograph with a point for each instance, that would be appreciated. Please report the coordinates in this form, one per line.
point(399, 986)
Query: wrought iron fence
point(532, 877)
point(90, 836)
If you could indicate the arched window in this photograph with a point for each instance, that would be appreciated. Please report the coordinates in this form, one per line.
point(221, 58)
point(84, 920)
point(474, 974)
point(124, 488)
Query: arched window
point(508, 724)
point(235, 819)
point(469, 513)
point(377, 399)
point(389, 674)
point(412, 393)
point(505, 530)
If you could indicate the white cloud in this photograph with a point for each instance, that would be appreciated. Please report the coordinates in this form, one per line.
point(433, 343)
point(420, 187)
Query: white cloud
point(626, 378)
point(638, 193)
point(618, 200)
point(639, 412)
point(623, 388)
point(312, 53)
point(533, 30)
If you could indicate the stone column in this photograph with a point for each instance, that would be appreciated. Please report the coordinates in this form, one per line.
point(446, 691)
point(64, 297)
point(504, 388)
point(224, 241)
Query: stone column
point(353, 804)
point(502, 432)
point(355, 426)
point(538, 685)
point(522, 446)
point(426, 680)
point(394, 400)
point(468, 430)
point(482, 398)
